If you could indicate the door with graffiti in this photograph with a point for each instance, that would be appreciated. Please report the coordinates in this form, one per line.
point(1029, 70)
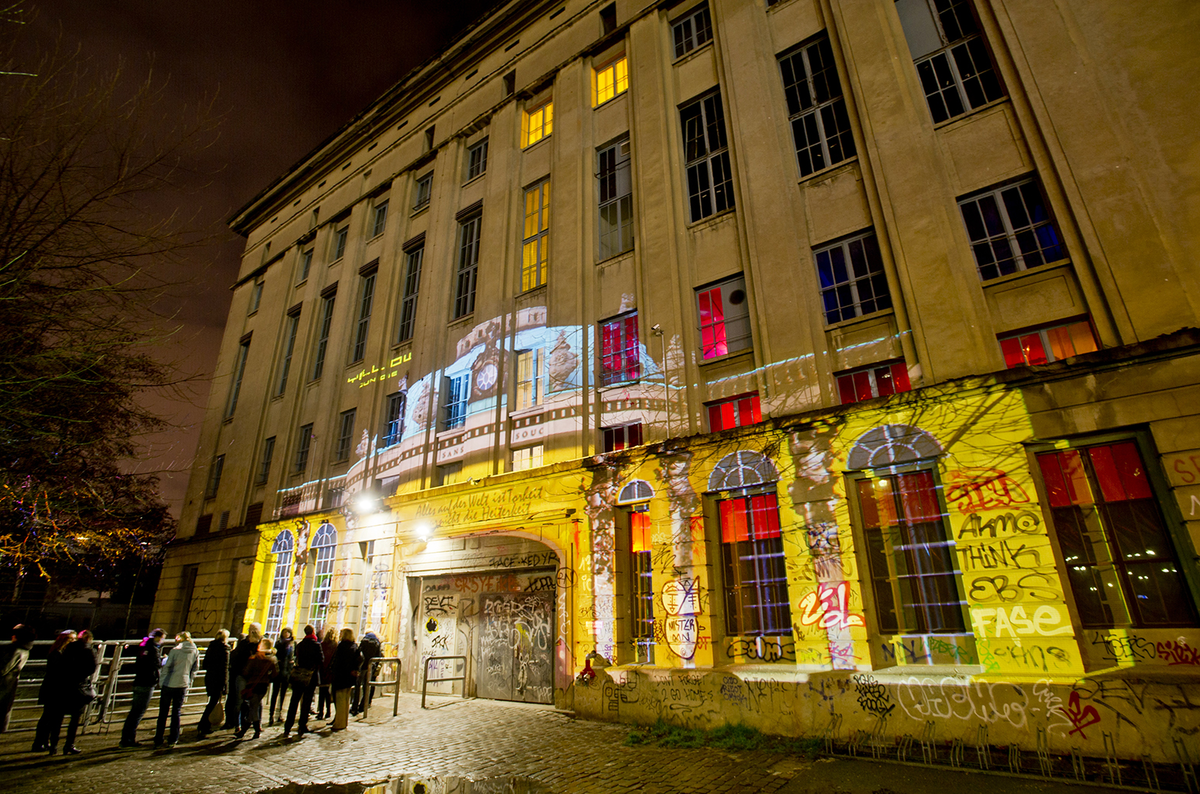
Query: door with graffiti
point(516, 647)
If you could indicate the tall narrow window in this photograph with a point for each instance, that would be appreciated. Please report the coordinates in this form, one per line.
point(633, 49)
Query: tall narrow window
point(531, 379)
point(256, 293)
point(755, 578)
point(423, 191)
point(952, 61)
point(458, 389)
point(692, 31)
point(1119, 557)
point(1048, 343)
point(291, 328)
point(852, 279)
point(1010, 230)
point(468, 265)
point(616, 199)
point(412, 286)
point(732, 412)
point(477, 155)
point(641, 589)
point(609, 80)
point(910, 555)
point(393, 418)
point(303, 445)
point(537, 123)
point(282, 549)
point(339, 242)
point(239, 371)
point(724, 316)
point(324, 548)
point(620, 355)
point(535, 248)
point(527, 458)
point(323, 329)
point(820, 123)
point(306, 258)
point(366, 298)
point(345, 439)
point(214, 477)
point(379, 222)
point(264, 463)
point(706, 155)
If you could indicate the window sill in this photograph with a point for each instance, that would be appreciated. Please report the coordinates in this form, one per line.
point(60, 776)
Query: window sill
point(464, 320)
point(535, 144)
point(525, 413)
point(862, 318)
point(615, 258)
point(941, 125)
point(618, 385)
point(1029, 272)
point(418, 210)
point(704, 362)
point(336, 261)
point(829, 171)
point(451, 434)
point(475, 179)
point(531, 290)
point(608, 102)
point(687, 56)
point(712, 220)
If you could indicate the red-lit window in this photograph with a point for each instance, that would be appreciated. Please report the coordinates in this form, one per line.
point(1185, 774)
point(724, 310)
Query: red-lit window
point(735, 412)
point(1120, 561)
point(863, 384)
point(1043, 345)
point(910, 555)
point(724, 318)
point(755, 577)
point(623, 437)
point(619, 359)
point(642, 588)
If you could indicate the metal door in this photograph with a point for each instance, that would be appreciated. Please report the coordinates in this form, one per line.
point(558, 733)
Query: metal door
point(516, 647)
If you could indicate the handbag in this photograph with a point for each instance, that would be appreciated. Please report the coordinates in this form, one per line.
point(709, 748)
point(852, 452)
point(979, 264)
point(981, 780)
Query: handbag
point(301, 676)
point(217, 717)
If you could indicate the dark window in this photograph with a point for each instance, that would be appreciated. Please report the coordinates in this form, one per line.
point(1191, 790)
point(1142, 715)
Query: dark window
point(393, 418)
point(306, 257)
point(468, 266)
point(608, 19)
point(1123, 568)
point(616, 199)
point(345, 440)
point(339, 242)
point(952, 61)
point(380, 220)
point(239, 370)
point(366, 292)
point(253, 515)
point(692, 31)
point(620, 355)
point(734, 412)
point(724, 318)
point(264, 463)
point(291, 328)
point(424, 190)
point(820, 123)
point(1010, 230)
point(755, 577)
point(623, 437)
point(706, 155)
point(874, 381)
point(323, 335)
point(303, 445)
point(256, 295)
point(1046, 344)
point(412, 286)
point(477, 159)
point(852, 279)
point(214, 477)
point(204, 524)
point(910, 556)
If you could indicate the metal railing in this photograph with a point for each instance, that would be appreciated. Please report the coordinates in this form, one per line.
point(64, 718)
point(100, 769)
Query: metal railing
point(426, 680)
point(389, 682)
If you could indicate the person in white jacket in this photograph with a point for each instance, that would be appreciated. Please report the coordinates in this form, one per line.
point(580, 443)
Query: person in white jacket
point(177, 675)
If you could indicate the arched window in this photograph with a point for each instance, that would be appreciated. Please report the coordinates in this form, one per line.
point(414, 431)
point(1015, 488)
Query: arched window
point(742, 469)
point(324, 546)
point(635, 491)
point(282, 549)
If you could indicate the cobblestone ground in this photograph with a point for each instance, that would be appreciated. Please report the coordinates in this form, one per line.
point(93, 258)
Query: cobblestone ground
point(473, 740)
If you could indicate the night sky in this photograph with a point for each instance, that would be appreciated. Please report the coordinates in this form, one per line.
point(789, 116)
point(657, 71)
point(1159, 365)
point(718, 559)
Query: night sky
point(283, 77)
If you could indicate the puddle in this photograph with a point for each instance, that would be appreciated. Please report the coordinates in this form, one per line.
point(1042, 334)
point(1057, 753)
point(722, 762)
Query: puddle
point(411, 784)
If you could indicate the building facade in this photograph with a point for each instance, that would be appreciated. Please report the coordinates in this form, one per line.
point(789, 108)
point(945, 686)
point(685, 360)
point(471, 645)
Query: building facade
point(822, 365)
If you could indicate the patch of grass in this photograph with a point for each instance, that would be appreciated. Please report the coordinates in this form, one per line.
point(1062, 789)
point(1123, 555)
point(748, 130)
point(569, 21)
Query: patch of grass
point(726, 737)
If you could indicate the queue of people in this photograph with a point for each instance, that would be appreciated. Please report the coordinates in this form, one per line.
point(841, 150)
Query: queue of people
point(238, 677)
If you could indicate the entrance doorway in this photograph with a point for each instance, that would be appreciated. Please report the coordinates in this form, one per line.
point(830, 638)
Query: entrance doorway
point(516, 647)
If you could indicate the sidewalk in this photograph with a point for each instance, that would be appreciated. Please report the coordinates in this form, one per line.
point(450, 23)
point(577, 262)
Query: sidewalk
point(475, 740)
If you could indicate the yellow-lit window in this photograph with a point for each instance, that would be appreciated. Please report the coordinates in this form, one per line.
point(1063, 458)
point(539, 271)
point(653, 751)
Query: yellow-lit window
point(535, 250)
point(527, 458)
point(610, 80)
point(539, 122)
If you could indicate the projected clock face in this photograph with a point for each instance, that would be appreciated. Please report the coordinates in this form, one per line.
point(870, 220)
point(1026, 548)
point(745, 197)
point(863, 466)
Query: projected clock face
point(486, 377)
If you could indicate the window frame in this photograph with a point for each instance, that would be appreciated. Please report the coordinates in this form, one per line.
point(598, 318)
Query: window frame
point(746, 410)
point(543, 111)
point(216, 468)
point(345, 437)
point(283, 549)
point(239, 372)
point(707, 166)
point(256, 294)
point(614, 193)
point(470, 230)
point(535, 241)
point(819, 115)
point(422, 191)
point(303, 448)
point(641, 584)
point(324, 546)
point(1011, 235)
point(620, 437)
point(264, 462)
point(618, 65)
point(850, 287)
point(393, 418)
point(458, 394)
point(289, 348)
point(716, 341)
point(896, 373)
point(759, 616)
point(341, 236)
point(530, 378)
point(366, 304)
point(477, 166)
point(414, 258)
point(379, 218)
point(971, 42)
point(622, 362)
point(324, 329)
point(306, 258)
point(688, 37)
point(534, 460)
point(1043, 334)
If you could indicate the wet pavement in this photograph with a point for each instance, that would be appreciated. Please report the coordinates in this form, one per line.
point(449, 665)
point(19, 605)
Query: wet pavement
point(462, 747)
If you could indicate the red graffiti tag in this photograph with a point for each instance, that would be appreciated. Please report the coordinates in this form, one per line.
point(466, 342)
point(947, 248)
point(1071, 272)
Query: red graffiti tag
point(975, 489)
point(829, 608)
point(1080, 716)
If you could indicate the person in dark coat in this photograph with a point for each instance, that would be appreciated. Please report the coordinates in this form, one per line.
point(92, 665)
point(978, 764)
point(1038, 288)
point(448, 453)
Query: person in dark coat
point(216, 677)
point(371, 650)
point(12, 661)
point(256, 678)
point(50, 692)
point(284, 658)
point(78, 690)
point(246, 647)
point(305, 678)
point(147, 667)
point(344, 669)
point(325, 695)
